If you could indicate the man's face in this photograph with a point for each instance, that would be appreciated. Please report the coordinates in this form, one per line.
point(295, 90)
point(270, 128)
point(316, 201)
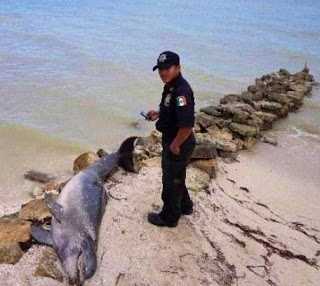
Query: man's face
point(168, 74)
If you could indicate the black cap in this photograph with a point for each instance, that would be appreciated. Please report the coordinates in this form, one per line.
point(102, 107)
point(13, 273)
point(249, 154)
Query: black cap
point(167, 59)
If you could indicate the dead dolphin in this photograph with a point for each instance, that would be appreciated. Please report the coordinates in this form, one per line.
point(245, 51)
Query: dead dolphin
point(77, 214)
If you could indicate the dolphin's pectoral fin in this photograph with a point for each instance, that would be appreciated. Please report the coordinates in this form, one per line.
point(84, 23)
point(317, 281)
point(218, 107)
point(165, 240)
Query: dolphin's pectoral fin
point(89, 256)
point(41, 235)
point(54, 207)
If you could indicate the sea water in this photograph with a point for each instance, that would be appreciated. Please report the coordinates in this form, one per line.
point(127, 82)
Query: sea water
point(75, 75)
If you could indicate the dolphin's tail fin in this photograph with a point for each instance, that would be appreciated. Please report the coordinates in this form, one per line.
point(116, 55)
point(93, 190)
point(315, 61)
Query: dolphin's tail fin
point(126, 155)
point(127, 146)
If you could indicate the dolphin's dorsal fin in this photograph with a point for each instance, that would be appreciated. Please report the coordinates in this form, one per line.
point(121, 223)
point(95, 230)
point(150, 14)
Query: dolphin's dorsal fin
point(54, 207)
point(41, 235)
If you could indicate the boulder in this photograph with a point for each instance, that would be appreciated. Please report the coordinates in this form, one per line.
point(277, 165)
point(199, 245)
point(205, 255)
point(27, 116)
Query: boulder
point(48, 265)
point(247, 96)
point(36, 210)
point(197, 180)
point(14, 230)
point(230, 98)
point(36, 192)
point(278, 97)
point(224, 133)
point(219, 143)
point(266, 117)
point(270, 106)
point(84, 160)
point(205, 120)
point(299, 88)
point(249, 142)
point(244, 130)
point(206, 150)
point(37, 176)
point(214, 110)
point(240, 116)
point(269, 139)
point(259, 95)
point(223, 123)
point(156, 135)
point(227, 154)
point(252, 88)
point(210, 166)
point(152, 162)
point(10, 253)
point(284, 72)
point(297, 102)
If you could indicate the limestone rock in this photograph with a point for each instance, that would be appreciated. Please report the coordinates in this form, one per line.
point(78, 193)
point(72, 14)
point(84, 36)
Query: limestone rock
point(219, 143)
point(84, 160)
point(270, 106)
point(213, 110)
point(197, 180)
point(269, 139)
point(210, 166)
point(224, 133)
point(156, 135)
point(36, 210)
point(10, 253)
point(152, 162)
point(37, 176)
point(205, 120)
point(266, 117)
point(207, 150)
point(230, 98)
point(249, 142)
point(247, 96)
point(227, 154)
point(49, 266)
point(14, 230)
point(36, 192)
point(244, 130)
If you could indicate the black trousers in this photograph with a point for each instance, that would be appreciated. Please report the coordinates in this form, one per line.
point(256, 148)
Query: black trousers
point(175, 195)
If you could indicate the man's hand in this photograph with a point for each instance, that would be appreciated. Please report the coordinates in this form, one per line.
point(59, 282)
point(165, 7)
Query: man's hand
point(175, 149)
point(182, 135)
point(152, 115)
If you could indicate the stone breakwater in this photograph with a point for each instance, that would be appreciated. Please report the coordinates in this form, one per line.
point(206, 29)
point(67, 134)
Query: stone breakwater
point(239, 120)
point(222, 130)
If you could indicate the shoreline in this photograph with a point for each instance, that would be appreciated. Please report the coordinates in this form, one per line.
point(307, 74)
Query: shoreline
point(252, 224)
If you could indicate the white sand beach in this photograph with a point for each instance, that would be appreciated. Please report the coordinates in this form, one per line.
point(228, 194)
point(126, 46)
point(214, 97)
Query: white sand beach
point(257, 224)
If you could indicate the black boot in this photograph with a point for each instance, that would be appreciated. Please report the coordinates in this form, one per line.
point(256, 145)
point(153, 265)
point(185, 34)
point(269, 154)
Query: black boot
point(188, 211)
point(157, 220)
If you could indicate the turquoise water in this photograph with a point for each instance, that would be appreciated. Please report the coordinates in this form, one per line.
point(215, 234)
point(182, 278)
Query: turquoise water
point(81, 71)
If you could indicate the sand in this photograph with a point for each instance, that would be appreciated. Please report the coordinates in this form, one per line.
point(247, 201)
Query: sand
point(258, 224)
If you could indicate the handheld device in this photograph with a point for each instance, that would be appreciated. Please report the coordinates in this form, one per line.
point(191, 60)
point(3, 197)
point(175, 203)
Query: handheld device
point(145, 115)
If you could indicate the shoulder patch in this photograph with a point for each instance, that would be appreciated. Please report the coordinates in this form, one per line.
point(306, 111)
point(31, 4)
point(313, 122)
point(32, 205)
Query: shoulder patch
point(181, 100)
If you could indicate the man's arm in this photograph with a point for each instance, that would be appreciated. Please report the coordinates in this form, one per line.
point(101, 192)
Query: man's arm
point(182, 135)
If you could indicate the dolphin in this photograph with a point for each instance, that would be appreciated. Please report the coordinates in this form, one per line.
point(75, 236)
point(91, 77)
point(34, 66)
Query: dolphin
point(77, 214)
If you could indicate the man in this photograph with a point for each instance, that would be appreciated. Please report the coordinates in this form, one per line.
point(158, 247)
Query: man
point(175, 120)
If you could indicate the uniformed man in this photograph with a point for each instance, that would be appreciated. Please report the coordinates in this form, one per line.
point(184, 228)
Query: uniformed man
point(175, 120)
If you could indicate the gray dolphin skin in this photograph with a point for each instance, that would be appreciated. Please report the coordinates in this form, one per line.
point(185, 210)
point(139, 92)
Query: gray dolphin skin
point(77, 214)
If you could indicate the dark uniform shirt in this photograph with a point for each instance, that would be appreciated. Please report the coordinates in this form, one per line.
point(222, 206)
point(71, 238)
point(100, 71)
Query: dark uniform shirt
point(176, 107)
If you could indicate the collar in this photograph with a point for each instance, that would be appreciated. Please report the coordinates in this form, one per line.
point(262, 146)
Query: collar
point(173, 82)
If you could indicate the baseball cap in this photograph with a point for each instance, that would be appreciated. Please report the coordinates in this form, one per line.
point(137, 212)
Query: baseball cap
point(167, 59)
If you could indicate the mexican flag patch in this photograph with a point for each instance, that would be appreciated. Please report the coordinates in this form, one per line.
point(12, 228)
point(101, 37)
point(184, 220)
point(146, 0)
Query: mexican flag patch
point(181, 100)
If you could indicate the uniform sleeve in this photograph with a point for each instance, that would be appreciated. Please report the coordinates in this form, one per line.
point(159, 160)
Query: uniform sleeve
point(184, 108)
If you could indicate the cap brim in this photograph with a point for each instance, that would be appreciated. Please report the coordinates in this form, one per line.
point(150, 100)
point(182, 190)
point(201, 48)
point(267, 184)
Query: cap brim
point(165, 66)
